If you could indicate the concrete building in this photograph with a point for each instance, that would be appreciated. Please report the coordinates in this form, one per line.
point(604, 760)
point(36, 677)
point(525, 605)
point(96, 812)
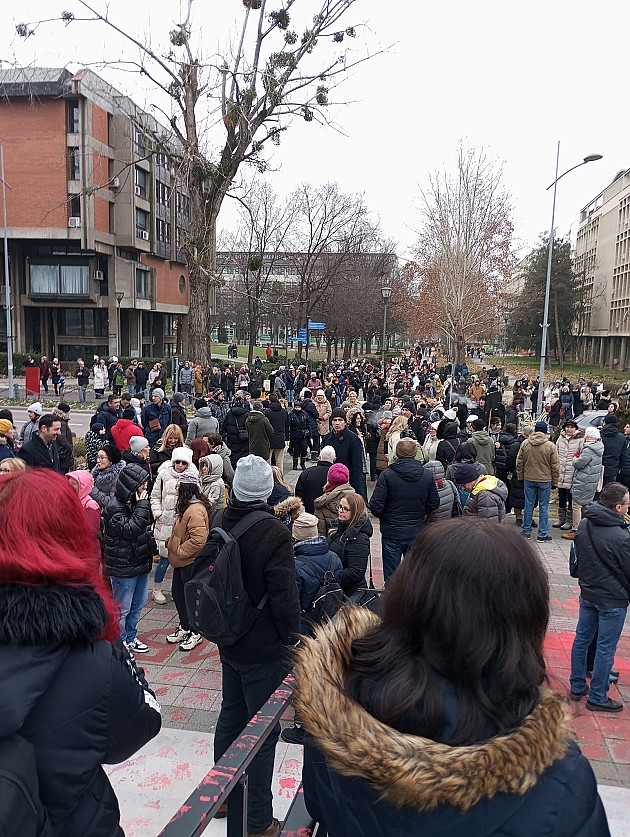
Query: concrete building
point(95, 215)
point(602, 260)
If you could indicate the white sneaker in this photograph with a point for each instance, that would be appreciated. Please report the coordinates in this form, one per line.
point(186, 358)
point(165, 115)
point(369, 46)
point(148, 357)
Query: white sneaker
point(137, 647)
point(178, 635)
point(191, 642)
point(158, 597)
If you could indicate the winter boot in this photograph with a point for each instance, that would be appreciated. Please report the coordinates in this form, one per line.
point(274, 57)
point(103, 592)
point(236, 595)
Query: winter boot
point(295, 465)
point(157, 595)
point(567, 525)
point(562, 519)
point(519, 516)
point(303, 463)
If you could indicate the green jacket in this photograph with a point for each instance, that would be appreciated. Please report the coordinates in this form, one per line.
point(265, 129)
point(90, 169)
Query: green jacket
point(260, 431)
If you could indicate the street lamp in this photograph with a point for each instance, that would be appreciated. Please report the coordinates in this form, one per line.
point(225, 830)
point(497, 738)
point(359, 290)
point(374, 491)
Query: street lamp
point(7, 283)
point(543, 345)
point(119, 299)
point(386, 292)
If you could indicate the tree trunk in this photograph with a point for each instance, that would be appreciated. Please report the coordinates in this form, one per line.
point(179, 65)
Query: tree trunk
point(197, 316)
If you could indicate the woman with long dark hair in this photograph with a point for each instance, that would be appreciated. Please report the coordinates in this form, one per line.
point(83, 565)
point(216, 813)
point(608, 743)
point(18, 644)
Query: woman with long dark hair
point(71, 696)
point(350, 539)
point(436, 720)
point(189, 535)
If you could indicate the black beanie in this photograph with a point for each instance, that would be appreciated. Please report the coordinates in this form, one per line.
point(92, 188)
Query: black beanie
point(199, 403)
point(338, 413)
point(113, 454)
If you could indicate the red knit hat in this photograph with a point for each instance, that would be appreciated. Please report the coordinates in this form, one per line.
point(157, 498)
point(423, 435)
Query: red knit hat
point(337, 475)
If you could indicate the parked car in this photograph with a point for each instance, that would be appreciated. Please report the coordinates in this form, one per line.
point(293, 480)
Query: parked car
point(591, 418)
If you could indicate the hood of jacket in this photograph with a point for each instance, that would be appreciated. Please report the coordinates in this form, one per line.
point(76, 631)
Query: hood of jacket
point(203, 412)
point(255, 416)
point(436, 468)
point(45, 623)
point(222, 450)
point(483, 439)
point(329, 498)
point(129, 481)
point(292, 505)
point(409, 470)
point(538, 438)
point(450, 430)
point(601, 515)
point(490, 483)
point(85, 481)
point(214, 462)
point(597, 447)
point(608, 430)
point(276, 406)
point(406, 769)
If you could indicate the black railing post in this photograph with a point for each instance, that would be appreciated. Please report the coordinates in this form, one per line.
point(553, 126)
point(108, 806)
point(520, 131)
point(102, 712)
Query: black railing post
point(237, 809)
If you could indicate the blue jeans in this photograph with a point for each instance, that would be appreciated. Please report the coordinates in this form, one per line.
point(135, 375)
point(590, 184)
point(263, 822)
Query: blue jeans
point(289, 396)
point(160, 570)
point(245, 688)
point(131, 389)
point(130, 594)
point(608, 623)
point(392, 550)
point(540, 491)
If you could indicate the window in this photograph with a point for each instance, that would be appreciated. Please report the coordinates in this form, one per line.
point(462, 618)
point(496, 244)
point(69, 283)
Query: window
point(169, 325)
point(163, 229)
point(141, 183)
point(161, 159)
point(138, 142)
point(82, 322)
point(143, 283)
point(182, 284)
point(162, 193)
point(130, 255)
point(72, 280)
point(75, 206)
point(142, 222)
point(73, 116)
point(75, 163)
point(182, 204)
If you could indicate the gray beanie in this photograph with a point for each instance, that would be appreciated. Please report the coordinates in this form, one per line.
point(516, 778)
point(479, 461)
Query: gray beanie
point(138, 443)
point(253, 479)
point(159, 392)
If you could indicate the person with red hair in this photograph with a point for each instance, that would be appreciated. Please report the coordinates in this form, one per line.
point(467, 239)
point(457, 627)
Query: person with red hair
point(72, 698)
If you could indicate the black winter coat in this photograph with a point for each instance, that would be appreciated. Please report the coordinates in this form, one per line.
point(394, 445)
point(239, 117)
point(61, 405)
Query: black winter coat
point(624, 464)
point(279, 419)
point(268, 567)
point(448, 446)
point(505, 440)
point(38, 455)
point(403, 497)
point(298, 424)
point(79, 700)
point(516, 496)
point(310, 485)
point(106, 416)
point(129, 544)
point(234, 422)
point(614, 443)
point(599, 584)
point(178, 417)
point(311, 411)
point(349, 451)
point(352, 545)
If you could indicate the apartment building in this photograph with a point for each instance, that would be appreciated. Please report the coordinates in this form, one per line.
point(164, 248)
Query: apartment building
point(602, 260)
point(95, 218)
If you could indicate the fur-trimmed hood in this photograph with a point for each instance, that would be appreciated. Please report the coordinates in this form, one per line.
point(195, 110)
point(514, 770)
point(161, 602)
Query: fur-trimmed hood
point(291, 506)
point(409, 770)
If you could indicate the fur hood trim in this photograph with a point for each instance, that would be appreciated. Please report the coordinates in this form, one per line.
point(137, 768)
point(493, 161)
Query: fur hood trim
point(409, 770)
point(291, 506)
point(50, 615)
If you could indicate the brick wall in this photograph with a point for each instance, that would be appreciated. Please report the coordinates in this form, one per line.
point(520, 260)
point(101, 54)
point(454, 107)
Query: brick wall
point(36, 162)
point(167, 280)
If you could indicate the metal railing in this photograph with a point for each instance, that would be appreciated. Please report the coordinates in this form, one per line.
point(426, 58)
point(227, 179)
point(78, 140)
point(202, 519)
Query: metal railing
point(228, 778)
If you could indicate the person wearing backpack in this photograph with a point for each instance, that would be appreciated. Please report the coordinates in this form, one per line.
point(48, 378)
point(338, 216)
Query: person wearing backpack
point(72, 698)
point(256, 663)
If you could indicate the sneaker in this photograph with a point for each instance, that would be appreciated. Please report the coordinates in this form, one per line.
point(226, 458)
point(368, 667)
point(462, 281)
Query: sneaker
point(272, 830)
point(578, 695)
point(293, 734)
point(609, 705)
point(158, 597)
point(544, 539)
point(178, 635)
point(137, 647)
point(527, 535)
point(191, 641)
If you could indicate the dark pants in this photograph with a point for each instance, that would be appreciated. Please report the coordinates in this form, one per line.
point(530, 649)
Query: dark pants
point(372, 465)
point(245, 688)
point(565, 499)
point(180, 576)
point(392, 550)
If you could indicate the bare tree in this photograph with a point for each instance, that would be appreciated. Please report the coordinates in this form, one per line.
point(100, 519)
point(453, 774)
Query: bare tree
point(464, 250)
point(276, 73)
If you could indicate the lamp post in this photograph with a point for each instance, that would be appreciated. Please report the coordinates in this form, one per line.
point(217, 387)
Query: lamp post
point(119, 299)
point(7, 283)
point(386, 292)
point(545, 325)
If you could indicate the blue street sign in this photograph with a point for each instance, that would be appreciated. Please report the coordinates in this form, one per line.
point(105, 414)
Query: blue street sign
point(302, 334)
point(296, 340)
point(316, 326)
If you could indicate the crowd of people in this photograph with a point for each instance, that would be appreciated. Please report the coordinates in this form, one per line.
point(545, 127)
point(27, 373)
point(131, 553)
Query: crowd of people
point(429, 452)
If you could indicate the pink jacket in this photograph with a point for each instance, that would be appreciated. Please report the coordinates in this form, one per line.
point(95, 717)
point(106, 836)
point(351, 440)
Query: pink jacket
point(92, 508)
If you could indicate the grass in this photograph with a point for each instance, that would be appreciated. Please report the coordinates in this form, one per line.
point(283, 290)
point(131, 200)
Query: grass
point(529, 365)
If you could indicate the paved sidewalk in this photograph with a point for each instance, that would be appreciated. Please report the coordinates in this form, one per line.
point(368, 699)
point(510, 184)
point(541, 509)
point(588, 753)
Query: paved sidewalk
point(188, 687)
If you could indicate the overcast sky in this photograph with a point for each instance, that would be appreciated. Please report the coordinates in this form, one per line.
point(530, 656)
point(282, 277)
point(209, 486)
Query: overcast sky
point(514, 78)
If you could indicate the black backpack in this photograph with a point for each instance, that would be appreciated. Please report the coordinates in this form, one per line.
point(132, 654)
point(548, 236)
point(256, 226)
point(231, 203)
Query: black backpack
point(216, 600)
point(21, 811)
point(329, 596)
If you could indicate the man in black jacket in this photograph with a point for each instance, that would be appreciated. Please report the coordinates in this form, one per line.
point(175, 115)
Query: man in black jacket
point(255, 665)
point(311, 482)
point(348, 449)
point(602, 545)
point(279, 419)
point(41, 451)
point(614, 443)
point(403, 497)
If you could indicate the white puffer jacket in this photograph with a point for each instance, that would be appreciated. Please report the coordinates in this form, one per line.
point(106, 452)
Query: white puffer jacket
point(568, 446)
point(163, 502)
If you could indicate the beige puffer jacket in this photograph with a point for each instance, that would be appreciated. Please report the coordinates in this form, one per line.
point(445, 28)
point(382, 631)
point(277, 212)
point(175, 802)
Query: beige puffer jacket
point(326, 507)
point(567, 447)
point(163, 502)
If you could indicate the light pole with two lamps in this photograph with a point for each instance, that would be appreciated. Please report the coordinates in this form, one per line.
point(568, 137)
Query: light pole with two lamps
point(386, 292)
point(119, 298)
point(543, 345)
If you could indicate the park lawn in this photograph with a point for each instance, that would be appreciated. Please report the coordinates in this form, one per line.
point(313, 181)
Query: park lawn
point(518, 366)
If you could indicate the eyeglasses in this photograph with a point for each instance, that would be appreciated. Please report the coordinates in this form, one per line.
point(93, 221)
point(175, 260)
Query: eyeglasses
point(343, 508)
point(6, 470)
point(179, 462)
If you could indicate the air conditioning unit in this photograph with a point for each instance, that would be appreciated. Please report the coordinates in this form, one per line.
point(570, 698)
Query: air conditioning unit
point(144, 235)
point(98, 275)
point(74, 222)
point(115, 184)
point(138, 191)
